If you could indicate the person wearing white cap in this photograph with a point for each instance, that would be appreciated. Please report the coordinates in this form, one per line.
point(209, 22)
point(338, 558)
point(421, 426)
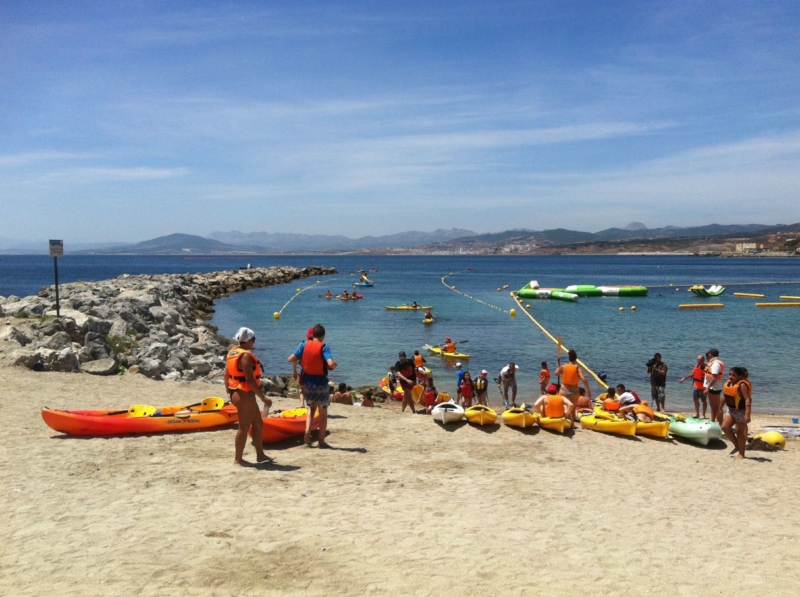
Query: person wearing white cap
point(482, 387)
point(459, 380)
point(243, 383)
point(508, 379)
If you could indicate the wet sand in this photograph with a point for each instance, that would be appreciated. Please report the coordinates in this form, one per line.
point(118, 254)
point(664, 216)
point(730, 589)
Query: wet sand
point(400, 506)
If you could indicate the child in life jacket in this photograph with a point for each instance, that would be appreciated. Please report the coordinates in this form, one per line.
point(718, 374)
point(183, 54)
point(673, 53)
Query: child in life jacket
point(429, 395)
point(544, 378)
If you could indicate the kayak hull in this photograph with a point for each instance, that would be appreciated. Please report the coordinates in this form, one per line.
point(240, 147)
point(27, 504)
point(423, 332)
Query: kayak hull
point(102, 423)
point(447, 412)
point(408, 308)
point(616, 427)
point(518, 417)
point(558, 424)
point(700, 431)
point(427, 321)
point(480, 415)
point(653, 429)
point(384, 385)
point(286, 425)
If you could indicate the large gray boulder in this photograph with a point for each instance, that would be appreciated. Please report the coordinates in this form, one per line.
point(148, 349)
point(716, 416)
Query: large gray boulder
point(26, 358)
point(199, 365)
point(59, 340)
point(174, 364)
point(65, 360)
point(152, 368)
point(101, 367)
point(11, 334)
point(97, 345)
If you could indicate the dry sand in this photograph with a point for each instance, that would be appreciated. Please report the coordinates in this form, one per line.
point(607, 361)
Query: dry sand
point(401, 506)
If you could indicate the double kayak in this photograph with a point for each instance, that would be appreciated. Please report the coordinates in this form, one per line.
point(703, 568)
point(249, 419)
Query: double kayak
point(409, 308)
point(286, 425)
point(480, 415)
point(211, 413)
point(350, 298)
point(697, 430)
point(451, 355)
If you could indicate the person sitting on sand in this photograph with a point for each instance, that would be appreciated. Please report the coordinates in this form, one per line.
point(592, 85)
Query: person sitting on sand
point(243, 383)
point(571, 373)
point(342, 396)
point(482, 387)
point(553, 405)
point(738, 392)
point(467, 390)
point(544, 378)
point(429, 395)
point(366, 399)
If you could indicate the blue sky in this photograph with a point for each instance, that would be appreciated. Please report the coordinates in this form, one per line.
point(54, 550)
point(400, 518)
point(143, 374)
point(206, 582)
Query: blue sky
point(121, 123)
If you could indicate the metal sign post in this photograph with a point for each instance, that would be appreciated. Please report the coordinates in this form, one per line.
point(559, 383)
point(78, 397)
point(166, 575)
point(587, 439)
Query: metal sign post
point(56, 251)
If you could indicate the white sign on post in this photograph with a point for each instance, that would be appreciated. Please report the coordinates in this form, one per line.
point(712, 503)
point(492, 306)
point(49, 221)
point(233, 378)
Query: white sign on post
point(56, 248)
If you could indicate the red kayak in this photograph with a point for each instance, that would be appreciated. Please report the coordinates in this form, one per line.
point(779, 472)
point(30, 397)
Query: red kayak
point(285, 425)
point(211, 413)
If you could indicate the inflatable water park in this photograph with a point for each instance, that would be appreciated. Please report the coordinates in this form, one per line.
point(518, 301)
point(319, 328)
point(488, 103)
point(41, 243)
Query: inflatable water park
point(571, 293)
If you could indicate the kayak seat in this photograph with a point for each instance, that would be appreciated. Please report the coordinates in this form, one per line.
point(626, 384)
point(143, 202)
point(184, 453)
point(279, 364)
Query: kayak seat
point(211, 403)
point(141, 410)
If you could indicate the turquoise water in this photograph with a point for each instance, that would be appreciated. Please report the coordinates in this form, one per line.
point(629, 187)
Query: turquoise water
point(365, 338)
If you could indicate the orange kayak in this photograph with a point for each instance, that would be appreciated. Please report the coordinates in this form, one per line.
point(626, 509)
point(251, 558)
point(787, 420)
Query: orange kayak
point(209, 414)
point(285, 425)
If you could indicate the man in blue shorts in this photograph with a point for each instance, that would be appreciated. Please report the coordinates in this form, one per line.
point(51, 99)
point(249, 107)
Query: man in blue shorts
point(316, 358)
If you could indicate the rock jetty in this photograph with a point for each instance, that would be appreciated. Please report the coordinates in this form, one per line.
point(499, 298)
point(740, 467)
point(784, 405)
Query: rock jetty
point(155, 325)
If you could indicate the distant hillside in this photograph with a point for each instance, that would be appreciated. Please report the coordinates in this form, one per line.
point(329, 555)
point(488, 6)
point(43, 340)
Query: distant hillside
point(279, 242)
point(173, 244)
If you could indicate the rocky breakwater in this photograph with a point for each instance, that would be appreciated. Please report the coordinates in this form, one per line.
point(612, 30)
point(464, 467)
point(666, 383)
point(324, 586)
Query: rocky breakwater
point(155, 325)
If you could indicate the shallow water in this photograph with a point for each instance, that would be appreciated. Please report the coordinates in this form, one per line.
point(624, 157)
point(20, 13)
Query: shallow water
point(365, 338)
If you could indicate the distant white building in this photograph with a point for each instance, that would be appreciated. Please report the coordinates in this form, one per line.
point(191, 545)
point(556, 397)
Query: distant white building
point(742, 247)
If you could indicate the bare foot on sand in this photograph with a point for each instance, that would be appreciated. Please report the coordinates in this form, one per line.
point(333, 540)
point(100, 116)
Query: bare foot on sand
point(265, 458)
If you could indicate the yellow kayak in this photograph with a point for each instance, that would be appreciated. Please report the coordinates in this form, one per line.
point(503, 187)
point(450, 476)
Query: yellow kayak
point(450, 355)
point(427, 321)
point(618, 426)
point(416, 393)
point(480, 415)
point(654, 429)
point(519, 417)
point(560, 424)
point(409, 308)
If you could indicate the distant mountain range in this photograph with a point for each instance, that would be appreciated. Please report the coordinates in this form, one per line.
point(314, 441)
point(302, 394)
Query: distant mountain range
point(233, 243)
point(280, 242)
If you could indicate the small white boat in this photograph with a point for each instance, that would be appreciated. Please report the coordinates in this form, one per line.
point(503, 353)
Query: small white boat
point(447, 412)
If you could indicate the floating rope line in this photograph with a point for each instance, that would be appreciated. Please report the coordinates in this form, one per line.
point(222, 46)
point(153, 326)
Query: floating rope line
point(549, 335)
point(277, 314)
point(454, 289)
point(724, 284)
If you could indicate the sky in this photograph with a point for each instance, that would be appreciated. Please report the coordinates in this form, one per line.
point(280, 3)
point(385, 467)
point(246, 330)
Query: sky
point(120, 122)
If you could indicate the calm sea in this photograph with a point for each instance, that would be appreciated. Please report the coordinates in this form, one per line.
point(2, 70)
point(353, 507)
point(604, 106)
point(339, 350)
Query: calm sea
point(365, 338)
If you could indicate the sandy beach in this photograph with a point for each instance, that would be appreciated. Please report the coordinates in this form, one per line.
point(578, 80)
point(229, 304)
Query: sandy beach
point(399, 506)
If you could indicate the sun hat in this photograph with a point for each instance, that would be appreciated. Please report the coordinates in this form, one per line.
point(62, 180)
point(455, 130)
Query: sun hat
point(244, 335)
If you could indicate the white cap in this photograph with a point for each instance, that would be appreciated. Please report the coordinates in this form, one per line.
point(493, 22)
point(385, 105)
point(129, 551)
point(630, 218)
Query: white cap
point(244, 335)
point(458, 364)
point(484, 372)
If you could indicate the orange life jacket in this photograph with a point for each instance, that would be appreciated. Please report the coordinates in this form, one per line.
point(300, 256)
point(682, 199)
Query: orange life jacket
point(312, 360)
point(418, 360)
point(554, 407)
point(449, 347)
point(544, 376)
point(698, 377)
point(721, 370)
point(733, 394)
point(644, 409)
point(569, 376)
point(233, 366)
point(611, 405)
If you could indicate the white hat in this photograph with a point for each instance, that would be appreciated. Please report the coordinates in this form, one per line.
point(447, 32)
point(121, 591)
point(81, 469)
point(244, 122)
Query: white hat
point(244, 335)
point(458, 364)
point(484, 372)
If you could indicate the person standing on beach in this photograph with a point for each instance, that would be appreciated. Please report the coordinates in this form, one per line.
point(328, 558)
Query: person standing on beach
point(508, 379)
point(459, 379)
point(243, 383)
point(715, 370)
point(467, 390)
point(482, 387)
point(698, 376)
point(544, 378)
point(406, 375)
point(738, 393)
point(571, 373)
point(658, 381)
point(316, 358)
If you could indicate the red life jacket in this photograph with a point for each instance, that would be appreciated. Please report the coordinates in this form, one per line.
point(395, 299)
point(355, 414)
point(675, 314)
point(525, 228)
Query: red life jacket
point(429, 394)
point(312, 360)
